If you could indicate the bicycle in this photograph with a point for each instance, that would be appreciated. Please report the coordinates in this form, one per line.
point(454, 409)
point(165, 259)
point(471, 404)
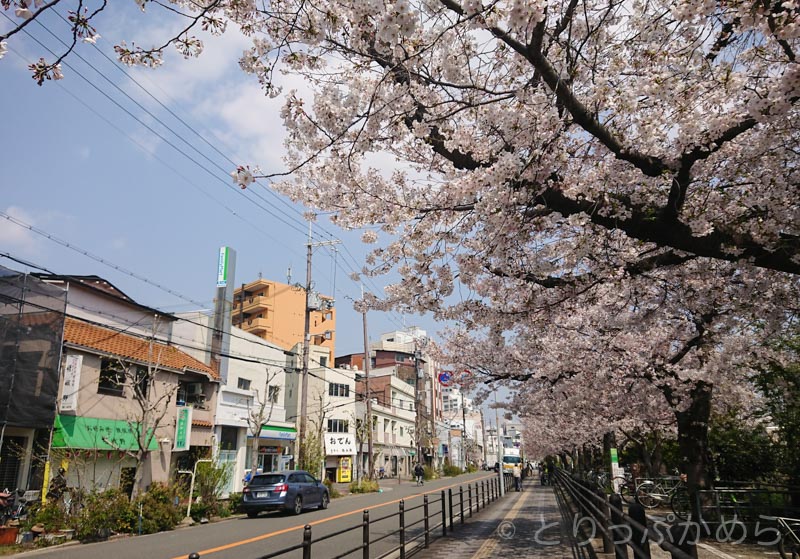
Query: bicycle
point(626, 488)
point(789, 543)
point(653, 493)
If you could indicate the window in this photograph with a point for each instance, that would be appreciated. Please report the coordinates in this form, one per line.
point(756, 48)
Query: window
point(112, 378)
point(335, 389)
point(323, 361)
point(243, 384)
point(401, 431)
point(272, 393)
point(338, 426)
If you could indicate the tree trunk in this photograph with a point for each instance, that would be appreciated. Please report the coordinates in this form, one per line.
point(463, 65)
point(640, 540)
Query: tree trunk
point(141, 456)
point(693, 441)
point(254, 455)
point(609, 442)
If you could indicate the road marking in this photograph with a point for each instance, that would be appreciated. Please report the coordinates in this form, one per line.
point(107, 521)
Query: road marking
point(487, 549)
point(715, 551)
point(316, 522)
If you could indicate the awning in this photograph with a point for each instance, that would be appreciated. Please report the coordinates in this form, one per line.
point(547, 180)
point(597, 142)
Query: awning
point(277, 432)
point(394, 451)
point(95, 433)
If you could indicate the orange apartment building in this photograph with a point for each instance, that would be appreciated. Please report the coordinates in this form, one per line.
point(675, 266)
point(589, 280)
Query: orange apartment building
point(274, 311)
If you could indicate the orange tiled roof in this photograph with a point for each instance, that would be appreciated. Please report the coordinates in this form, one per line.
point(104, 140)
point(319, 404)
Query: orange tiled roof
point(201, 423)
point(115, 343)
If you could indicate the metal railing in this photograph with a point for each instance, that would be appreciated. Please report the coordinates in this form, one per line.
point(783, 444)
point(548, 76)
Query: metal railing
point(416, 524)
point(590, 511)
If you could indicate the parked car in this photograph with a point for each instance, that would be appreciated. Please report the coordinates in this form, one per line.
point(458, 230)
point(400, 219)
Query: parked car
point(290, 490)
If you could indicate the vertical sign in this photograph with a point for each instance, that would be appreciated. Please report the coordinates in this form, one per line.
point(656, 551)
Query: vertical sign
point(72, 382)
point(183, 429)
point(222, 267)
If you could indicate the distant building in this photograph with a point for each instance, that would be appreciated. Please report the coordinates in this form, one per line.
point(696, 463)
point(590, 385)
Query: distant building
point(275, 312)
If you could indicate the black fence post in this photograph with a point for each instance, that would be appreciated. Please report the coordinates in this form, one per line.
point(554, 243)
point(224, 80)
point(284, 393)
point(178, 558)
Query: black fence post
point(194, 556)
point(402, 530)
point(469, 495)
point(427, 520)
point(618, 532)
point(608, 545)
point(307, 542)
point(450, 506)
point(684, 537)
point(365, 534)
point(639, 535)
point(461, 502)
point(444, 515)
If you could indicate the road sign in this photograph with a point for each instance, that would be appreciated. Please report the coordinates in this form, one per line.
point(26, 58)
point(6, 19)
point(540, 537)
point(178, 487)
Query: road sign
point(445, 378)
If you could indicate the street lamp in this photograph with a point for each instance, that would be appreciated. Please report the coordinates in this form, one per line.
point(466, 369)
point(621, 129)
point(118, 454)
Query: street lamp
point(192, 473)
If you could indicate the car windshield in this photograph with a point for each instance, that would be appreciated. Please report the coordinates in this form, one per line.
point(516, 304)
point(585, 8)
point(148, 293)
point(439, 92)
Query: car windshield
point(512, 459)
point(266, 480)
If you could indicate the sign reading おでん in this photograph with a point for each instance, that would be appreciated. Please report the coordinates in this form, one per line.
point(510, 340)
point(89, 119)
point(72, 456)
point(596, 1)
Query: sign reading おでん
point(340, 444)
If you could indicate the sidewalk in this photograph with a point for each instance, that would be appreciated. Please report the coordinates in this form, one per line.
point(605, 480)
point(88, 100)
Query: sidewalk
point(521, 525)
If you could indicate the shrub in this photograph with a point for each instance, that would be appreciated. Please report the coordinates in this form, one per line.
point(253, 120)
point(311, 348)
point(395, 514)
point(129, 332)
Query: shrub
point(52, 516)
point(332, 491)
point(234, 503)
point(159, 511)
point(430, 473)
point(471, 468)
point(451, 471)
point(103, 513)
point(365, 486)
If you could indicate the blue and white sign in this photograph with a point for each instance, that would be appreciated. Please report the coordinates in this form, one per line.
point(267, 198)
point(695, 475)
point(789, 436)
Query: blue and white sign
point(445, 378)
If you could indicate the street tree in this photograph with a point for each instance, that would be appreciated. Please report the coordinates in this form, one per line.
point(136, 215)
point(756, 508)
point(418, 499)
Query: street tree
point(259, 413)
point(153, 394)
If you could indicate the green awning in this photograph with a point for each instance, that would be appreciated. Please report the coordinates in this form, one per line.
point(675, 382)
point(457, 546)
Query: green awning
point(94, 433)
point(277, 432)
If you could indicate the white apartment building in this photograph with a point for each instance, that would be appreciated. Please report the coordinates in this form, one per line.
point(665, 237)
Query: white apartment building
point(330, 408)
point(253, 396)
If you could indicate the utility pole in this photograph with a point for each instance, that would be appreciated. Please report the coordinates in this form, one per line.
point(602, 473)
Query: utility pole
point(417, 392)
point(499, 444)
point(367, 393)
point(463, 429)
point(301, 435)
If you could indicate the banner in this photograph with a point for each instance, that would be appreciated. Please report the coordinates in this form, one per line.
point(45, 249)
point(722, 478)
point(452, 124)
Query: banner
point(183, 429)
point(72, 382)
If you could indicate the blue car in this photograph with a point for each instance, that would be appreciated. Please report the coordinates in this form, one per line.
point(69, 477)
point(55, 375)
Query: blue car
point(289, 490)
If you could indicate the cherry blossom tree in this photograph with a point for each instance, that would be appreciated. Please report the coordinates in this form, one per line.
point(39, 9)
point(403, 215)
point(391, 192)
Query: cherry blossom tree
point(588, 187)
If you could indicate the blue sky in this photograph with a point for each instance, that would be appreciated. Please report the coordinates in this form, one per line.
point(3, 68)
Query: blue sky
point(76, 164)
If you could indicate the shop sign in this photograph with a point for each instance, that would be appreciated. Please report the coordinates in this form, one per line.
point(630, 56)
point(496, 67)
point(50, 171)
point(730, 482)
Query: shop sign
point(340, 444)
point(270, 450)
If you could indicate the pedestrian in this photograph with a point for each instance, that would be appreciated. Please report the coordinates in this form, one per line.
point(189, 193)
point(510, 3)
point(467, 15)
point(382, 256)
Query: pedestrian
point(517, 477)
point(58, 485)
point(419, 473)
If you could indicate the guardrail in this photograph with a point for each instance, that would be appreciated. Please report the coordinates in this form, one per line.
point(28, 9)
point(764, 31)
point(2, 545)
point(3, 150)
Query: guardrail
point(590, 511)
point(411, 534)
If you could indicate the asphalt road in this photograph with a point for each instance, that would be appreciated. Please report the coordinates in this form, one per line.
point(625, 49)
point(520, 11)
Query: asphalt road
point(245, 538)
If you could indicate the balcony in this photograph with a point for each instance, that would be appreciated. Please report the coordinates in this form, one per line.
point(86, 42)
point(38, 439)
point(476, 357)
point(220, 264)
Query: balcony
point(257, 326)
point(253, 304)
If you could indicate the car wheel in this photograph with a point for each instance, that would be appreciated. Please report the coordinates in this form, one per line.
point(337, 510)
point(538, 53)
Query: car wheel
point(298, 505)
point(252, 513)
point(325, 501)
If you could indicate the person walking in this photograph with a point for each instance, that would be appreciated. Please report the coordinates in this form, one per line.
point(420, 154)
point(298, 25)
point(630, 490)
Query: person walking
point(419, 473)
point(517, 477)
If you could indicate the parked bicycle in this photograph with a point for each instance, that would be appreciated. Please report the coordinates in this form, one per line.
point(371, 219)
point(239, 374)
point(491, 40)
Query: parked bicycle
point(652, 493)
point(789, 544)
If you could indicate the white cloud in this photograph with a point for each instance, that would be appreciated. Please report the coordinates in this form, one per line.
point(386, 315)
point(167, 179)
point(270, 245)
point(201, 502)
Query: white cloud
point(15, 237)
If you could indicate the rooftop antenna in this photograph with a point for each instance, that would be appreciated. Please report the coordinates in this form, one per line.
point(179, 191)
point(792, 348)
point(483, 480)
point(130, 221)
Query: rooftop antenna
point(289, 275)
